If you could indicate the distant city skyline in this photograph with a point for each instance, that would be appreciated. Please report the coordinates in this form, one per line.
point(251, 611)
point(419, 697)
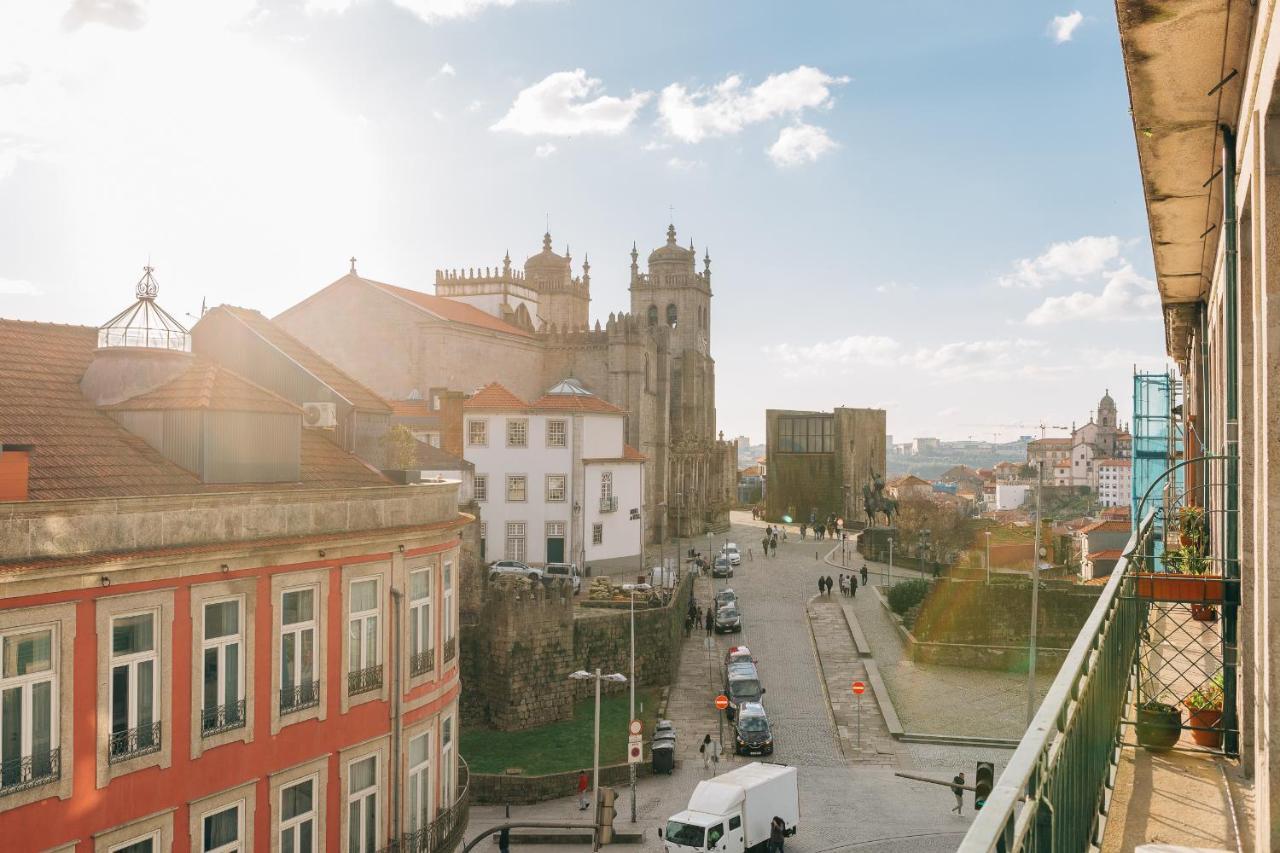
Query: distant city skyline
point(894, 218)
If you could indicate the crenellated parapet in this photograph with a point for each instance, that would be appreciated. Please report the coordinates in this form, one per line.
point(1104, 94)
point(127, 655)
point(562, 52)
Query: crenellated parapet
point(666, 279)
point(480, 275)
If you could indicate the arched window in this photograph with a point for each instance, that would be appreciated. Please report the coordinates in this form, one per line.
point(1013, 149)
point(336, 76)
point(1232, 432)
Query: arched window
point(653, 315)
point(671, 314)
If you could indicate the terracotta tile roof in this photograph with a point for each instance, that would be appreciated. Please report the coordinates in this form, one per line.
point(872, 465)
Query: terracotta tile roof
point(588, 403)
point(1107, 554)
point(629, 454)
point(495, 396)
point(208, 385)
point(1050, 442)
point(754, 471)
point(325, 465)
point(1107, 526)
point(1115, 463)
point(77, 451)
point(412, 409)
point(311, 361)
point(448, 309)
point(434, 459)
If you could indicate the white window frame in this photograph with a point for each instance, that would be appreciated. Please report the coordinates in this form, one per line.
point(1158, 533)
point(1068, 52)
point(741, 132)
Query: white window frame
point(27, 683)
point(364, 795)
point(220, 644)
point(449, 624)
point(297, 629)
point(477, 432)
point(480, 487)
point(420, 615)
point(562, 491)
point(418, 785)
point(517, 432)
point(153, 837)
point(524, 488)
point(448, 772)
point(563, 432)
point(133, 662)
point(365, 618)
point(239, 843)
point(294, 824)
point(517, 541)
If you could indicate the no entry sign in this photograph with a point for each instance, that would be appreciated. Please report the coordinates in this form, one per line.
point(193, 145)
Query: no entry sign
point(722, 702)
point(858, 688)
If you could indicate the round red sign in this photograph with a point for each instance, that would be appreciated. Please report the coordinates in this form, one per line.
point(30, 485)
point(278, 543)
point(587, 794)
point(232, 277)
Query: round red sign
point(858, 688)
point(722, 701)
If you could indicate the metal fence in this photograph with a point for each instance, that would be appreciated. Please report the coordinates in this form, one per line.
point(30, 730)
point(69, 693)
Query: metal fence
point(1051, 794)
point(445, 832)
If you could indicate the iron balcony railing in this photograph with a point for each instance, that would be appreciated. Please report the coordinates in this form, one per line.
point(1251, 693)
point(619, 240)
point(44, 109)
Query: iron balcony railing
point(30, 771)
point(131, 743)
point(609, 504)
point(450, 649)
point(299, 697)
point(1053, 789)
point(443, 834)
point(363, 680)
point(222, 718)
point(420, 663)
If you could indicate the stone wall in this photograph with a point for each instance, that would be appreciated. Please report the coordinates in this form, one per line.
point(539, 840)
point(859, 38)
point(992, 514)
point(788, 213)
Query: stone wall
point(501, 789)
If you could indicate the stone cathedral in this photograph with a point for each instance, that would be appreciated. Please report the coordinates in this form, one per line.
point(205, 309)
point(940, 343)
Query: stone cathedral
point(530, 328)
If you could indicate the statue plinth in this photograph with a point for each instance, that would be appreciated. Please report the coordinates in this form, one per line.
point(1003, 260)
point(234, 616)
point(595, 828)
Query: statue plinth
point(873, 542)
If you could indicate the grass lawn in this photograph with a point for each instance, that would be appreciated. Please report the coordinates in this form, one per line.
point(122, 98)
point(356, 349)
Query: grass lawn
point(561, 746)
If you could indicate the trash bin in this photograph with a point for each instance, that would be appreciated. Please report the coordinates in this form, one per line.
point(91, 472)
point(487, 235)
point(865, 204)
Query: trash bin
point(663, 750)
point(664, 728)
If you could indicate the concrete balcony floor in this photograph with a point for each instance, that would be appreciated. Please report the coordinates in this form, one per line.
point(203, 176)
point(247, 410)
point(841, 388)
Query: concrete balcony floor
point(1185, 798)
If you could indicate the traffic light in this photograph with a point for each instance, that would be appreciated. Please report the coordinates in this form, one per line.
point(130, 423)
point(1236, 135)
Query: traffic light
point(604, 814)
point(983, 780)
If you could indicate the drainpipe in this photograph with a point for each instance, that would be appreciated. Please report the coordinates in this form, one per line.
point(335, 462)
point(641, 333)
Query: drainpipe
point(397, 807)
point(1232, 541)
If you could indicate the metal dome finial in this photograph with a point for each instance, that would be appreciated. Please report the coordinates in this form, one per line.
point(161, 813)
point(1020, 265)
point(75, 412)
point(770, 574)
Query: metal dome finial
point(147, 287)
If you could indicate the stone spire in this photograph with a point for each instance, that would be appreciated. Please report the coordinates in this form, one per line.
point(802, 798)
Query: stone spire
point(671, 234)
point(586, 270)
point(506, 263)
point(546, 242)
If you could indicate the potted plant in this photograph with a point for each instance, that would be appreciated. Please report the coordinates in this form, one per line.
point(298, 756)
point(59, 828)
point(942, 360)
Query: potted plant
point(1191, 527)
point(1159, 725)
point(1187, 576)
point(1204, 707)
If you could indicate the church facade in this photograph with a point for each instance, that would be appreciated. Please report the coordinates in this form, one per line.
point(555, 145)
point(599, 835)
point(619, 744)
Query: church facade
point(530, 329)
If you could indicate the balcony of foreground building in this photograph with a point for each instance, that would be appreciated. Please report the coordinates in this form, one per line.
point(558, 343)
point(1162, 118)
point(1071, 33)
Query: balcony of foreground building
point(444, 833)
point(1115, 758)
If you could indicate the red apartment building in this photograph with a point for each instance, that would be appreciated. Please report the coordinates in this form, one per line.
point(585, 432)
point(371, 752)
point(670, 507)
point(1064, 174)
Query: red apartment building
point(220, 630)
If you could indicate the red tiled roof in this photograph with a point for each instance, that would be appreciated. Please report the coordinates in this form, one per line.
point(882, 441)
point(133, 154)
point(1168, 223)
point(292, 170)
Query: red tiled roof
point(1065, 442)
point(1115, 463)
point(325, 465)
point(1107, 554)
point(310, 361)
point(629, 454)
point(208, 385)
point(576, 403)
point(494, 396)
point(449, 309)
point(411, 409)
point(1107, 526)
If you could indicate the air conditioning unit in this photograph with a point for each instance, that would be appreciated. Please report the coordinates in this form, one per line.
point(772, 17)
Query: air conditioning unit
point(320, 415)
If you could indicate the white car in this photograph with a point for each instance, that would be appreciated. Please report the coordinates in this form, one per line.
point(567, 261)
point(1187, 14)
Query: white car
point(514, 567)
point(568, 571)
point(731, 551)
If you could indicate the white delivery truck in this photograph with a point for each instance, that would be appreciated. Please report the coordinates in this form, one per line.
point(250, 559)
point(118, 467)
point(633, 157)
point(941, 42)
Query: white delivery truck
point(732, 813)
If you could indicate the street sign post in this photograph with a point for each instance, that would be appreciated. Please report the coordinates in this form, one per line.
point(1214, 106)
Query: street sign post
point(635, 749)
point(858, 688)
point(722, 702)
point(636, 728)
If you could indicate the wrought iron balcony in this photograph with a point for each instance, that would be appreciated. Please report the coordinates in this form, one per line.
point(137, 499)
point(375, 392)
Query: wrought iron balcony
point(450, 649)
point(443, 834)
point(30, 771)
point(363, 680)
point(421, 663)
point(609, 504)
point(222, 718)
point(131, 743)
point(299, 697)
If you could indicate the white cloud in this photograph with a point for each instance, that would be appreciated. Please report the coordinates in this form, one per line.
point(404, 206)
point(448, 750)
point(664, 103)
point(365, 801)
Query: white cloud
point(1121, 358)
point(1125, 296)
point(546, 149)
point(119, 14)
point(894, 286)
point(978, 360)
point(854, 350)
point(18, 287)
point(447, 70)
point(567, 103)
point(654, 145)
point(727, 107)
point(474, 106)
point(799, 144)
point(431, 11)
point(988, 359)
point(1063, 27)
point(1075, 260)
point(327, 7)
point(682, 165)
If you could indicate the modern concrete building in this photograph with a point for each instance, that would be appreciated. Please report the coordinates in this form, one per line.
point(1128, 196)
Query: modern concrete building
point(820, 461)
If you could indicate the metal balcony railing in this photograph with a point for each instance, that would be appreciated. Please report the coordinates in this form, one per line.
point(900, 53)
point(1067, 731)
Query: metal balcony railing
point(443, 834)
point(299, 697)
point(609, 504)
point(222, 718)
point(363, 680)
point(420, 663)
point(450, 649)
point(131, 743)
point(30, 771)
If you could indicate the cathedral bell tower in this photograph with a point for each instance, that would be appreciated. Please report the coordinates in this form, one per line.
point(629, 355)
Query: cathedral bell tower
point(673, 293)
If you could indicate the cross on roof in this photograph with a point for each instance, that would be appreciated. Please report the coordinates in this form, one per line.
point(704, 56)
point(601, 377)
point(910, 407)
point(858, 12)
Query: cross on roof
point(353, 264)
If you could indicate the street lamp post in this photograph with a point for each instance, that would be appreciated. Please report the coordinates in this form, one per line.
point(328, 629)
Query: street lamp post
point(988, 560)
point(889, 580)
point(679, 506)
point(632, 589)
point(618, 678)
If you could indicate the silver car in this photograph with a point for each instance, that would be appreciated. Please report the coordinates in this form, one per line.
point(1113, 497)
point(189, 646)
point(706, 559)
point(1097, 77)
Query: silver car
point(567, 571)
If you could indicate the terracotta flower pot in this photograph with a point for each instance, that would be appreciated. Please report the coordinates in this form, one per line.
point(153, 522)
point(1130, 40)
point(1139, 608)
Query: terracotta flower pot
point(1205, 718)
point(1168, 586)
point(1204, 612)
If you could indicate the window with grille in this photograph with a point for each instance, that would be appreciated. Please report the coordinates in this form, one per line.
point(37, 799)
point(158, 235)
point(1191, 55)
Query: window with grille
point(515, 540)
point(421, 654)
point(517, 432)
point(29, 709)
point(477, 433)
point(223, 705)
point(557, 433)
point(555, 487)
point(606, 485)
point(363, 637)
point(482, 487)
point(517, 487)
point(299, 681)
point(135, 686)
point(419, 782)
point(806, 435)
point(597, 534)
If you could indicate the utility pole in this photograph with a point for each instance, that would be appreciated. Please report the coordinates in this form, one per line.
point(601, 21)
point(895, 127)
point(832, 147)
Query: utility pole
point(1035, 603)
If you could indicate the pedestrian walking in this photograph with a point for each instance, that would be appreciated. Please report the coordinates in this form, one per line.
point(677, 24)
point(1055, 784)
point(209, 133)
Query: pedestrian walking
point(714, 749)
point(864, 574)
point(765, 544)
point(853, 586)
point(957, 788)
point(705, 749)
point(583, 802)
point(504, 841)
point(830, 583)
point(688, 625)
point(822, 585)
point(777, 833)
point(802, 530)
point(710, 621)
point(841, 579)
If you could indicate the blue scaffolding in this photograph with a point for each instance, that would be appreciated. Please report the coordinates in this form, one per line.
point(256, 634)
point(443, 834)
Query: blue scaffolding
point(1157, 445)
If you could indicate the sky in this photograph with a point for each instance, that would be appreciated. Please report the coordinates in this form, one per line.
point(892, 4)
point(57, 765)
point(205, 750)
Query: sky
point(936, 211)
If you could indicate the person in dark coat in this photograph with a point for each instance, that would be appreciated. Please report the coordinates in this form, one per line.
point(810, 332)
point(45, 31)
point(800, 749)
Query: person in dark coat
point(777, 834)
point(822, 585)
point(864, 574)
point(830, 584)
point(710, 621)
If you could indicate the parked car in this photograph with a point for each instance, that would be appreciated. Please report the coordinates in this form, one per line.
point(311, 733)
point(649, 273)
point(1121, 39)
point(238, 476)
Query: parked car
point(752, 733)
point(726, 596)
point(514, 567)
point(721, 568)
point(738, 654)
point(731, 551)
point(742, 684)
point(728, 619)
point(568, 571)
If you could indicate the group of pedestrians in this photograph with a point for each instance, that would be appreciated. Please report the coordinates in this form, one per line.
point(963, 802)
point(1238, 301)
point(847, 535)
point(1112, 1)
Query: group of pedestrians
point(770, 542)
point(832, 528)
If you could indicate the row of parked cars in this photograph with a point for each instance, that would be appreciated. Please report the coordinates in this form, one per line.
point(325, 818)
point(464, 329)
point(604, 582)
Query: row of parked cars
point(567, 571)
point(752, 734)
point(729, 556)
